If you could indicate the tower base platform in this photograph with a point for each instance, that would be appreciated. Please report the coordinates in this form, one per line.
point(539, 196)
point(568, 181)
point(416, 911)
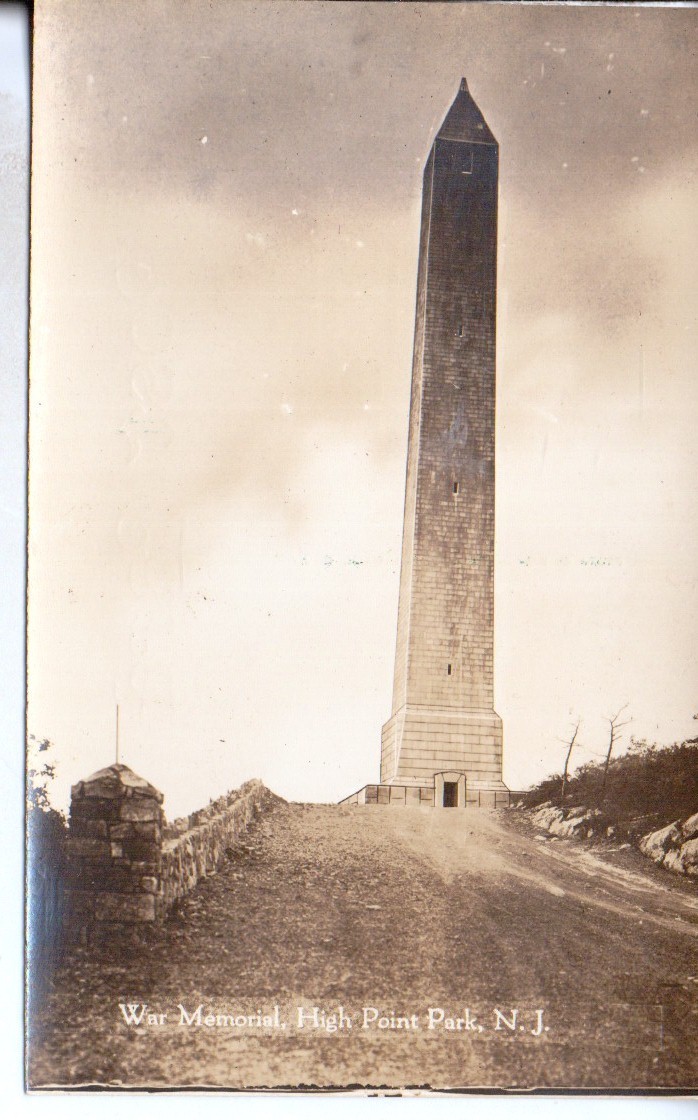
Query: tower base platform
point(449, 791)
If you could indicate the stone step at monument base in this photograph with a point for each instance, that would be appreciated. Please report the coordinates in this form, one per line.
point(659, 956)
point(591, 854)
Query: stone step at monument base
point(478, 795)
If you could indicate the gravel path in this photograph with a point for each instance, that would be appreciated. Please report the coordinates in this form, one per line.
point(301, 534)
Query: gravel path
point(396, 911)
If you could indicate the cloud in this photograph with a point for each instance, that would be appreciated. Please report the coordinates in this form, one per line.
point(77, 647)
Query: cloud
point(299, 106)
point(187, 295)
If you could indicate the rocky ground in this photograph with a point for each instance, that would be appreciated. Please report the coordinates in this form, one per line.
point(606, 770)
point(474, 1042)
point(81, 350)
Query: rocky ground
point(674, 845)
point(397, 911)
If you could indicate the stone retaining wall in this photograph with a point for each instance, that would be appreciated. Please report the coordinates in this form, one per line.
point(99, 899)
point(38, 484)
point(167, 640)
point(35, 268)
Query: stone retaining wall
point(126, 865)
point(195, 846)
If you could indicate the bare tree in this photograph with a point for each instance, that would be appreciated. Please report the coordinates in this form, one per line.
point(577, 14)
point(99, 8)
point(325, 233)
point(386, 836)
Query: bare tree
point(567, 760)
point(614, 733)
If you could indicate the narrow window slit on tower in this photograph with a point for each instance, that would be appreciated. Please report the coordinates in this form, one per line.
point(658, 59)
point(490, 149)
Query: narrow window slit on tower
point(449, 668)
point(460, 330)
point(455, 487)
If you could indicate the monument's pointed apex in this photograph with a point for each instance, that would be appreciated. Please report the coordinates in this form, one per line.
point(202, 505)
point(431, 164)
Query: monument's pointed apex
point(464, 121)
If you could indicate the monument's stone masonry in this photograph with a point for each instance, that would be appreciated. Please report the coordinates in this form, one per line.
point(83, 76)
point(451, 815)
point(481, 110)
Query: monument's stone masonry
point(443, 732)
point(127, 865)
point(466, 796)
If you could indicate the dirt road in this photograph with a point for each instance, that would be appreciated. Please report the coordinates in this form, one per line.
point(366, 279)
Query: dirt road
point(462, 951)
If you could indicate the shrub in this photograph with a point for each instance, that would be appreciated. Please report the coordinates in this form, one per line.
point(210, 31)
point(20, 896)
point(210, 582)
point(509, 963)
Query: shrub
point(46, 834)
point(648, 781)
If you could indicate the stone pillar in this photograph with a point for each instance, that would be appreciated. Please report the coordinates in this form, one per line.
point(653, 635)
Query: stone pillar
point(114, 854)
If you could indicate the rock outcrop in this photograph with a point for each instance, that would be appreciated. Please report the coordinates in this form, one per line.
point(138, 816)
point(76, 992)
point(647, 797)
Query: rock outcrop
point(578, 821)
point(675, 846)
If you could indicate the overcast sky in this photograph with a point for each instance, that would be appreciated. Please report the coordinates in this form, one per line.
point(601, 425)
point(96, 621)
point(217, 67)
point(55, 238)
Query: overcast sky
point(225, 231)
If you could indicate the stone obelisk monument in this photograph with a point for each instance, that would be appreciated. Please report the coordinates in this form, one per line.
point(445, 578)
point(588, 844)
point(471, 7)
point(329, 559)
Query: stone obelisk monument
point(443, 743)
